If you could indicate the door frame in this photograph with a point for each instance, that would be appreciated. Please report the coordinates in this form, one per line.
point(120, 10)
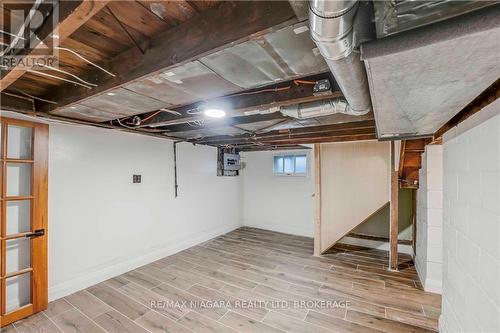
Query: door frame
point(39, 220)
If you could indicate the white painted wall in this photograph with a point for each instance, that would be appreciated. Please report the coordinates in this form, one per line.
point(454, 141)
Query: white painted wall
point(471, 225)
point(101, 225)
point(429, 247)
point(355, 183)
point(279, 203)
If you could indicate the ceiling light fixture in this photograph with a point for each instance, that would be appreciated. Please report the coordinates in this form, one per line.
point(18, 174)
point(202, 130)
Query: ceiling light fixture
point(215, 113)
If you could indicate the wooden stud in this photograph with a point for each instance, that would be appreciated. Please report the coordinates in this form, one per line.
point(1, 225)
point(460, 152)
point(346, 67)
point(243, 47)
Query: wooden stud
point(317, 199)
point(402, 158)
point(414, 219)
point(393, 233)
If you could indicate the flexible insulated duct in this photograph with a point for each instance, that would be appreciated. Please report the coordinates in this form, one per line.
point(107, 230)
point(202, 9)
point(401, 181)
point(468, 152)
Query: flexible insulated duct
point(331, 24)
point(318, 109)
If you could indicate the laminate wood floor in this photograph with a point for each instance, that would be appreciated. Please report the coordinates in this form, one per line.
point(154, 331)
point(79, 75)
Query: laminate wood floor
point(250, 280)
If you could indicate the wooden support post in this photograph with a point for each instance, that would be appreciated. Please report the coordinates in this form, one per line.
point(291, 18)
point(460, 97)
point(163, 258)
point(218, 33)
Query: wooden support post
point(393, 233)
point(317, 197)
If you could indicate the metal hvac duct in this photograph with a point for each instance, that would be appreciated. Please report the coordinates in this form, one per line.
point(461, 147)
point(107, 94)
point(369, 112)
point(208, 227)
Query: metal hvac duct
point(331, 24)
point(319, 109)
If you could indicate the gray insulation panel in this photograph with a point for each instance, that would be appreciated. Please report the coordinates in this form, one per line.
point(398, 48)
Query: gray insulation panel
point(297, 50)
point(122, 102)
point(246, 65)
point(399, 15)
point(184, 84)
point(83, 112)
point(421, 78)
point(279, 56)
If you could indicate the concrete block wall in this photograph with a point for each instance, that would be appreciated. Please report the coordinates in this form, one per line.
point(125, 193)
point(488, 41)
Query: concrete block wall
point(471, 222)
point(428, 256)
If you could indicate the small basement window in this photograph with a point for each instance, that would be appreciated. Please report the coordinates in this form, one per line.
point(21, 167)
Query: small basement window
point(290, 165)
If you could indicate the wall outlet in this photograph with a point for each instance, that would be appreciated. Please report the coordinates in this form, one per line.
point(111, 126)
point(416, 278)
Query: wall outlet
point(136, 179)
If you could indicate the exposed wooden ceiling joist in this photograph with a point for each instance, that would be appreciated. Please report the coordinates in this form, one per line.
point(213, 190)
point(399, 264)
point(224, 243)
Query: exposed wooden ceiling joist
point(71, 16)
point(310, 140)
point(309, 134)
point(231, 22)
point(14, 103)
point(286, 93)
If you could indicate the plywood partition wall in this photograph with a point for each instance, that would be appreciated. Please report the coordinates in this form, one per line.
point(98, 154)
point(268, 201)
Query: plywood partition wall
point(355, 182)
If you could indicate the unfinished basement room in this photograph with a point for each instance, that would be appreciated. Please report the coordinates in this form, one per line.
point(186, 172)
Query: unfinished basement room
point(209, 166)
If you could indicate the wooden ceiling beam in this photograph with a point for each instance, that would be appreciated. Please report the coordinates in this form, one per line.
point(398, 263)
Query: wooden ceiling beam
point(317, 133)
point(72, 15)
point(366, 126)
point(12, 102)
point(218, 28)
point(285, 93)
point(345, 138)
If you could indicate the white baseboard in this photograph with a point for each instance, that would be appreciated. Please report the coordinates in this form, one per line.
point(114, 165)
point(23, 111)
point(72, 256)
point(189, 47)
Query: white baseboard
point(373, 244)
point(286, 229)
point(430, 285)
point(68, 287)
point(442, 325)
point(433, 286)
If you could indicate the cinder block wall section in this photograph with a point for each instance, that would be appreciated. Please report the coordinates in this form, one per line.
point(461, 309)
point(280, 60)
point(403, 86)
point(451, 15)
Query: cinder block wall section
point(471, 222)
point(429, 247)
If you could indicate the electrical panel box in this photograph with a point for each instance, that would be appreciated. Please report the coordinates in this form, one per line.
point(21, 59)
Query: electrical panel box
point(228, 162)
point(231, 162)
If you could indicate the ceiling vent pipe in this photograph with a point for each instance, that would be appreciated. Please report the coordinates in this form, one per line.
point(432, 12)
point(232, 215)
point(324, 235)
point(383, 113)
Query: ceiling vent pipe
point(331, 24)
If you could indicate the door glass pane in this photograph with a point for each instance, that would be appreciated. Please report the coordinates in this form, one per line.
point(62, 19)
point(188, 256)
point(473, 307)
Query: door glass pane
point(18, 254)
point(289, 165)
point(278, 164)
point(18, 216)
point(18, 291)
point(300, 164)
point(18, 179)
point(19, 142)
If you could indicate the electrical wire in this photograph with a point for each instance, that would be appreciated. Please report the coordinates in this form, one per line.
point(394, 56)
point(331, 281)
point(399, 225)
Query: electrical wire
point(58, 78)
point(261, 91)
point(34, 97)
point(119, 122)
point(67, 73)
point(172, 112)
point(297, 82)
point(151, 116)
point(84, 59)
point(141, 130)
point(10, 34)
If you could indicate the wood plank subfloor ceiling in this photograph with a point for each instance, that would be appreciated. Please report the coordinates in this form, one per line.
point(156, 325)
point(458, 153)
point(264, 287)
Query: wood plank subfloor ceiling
point(250, 280)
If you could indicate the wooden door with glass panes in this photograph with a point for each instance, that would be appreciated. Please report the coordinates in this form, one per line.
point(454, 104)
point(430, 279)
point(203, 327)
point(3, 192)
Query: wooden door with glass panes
point(23, 219)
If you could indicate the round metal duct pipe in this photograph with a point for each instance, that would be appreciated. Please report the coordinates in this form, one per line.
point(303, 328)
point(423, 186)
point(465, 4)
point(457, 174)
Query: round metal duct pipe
point(331, 25)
